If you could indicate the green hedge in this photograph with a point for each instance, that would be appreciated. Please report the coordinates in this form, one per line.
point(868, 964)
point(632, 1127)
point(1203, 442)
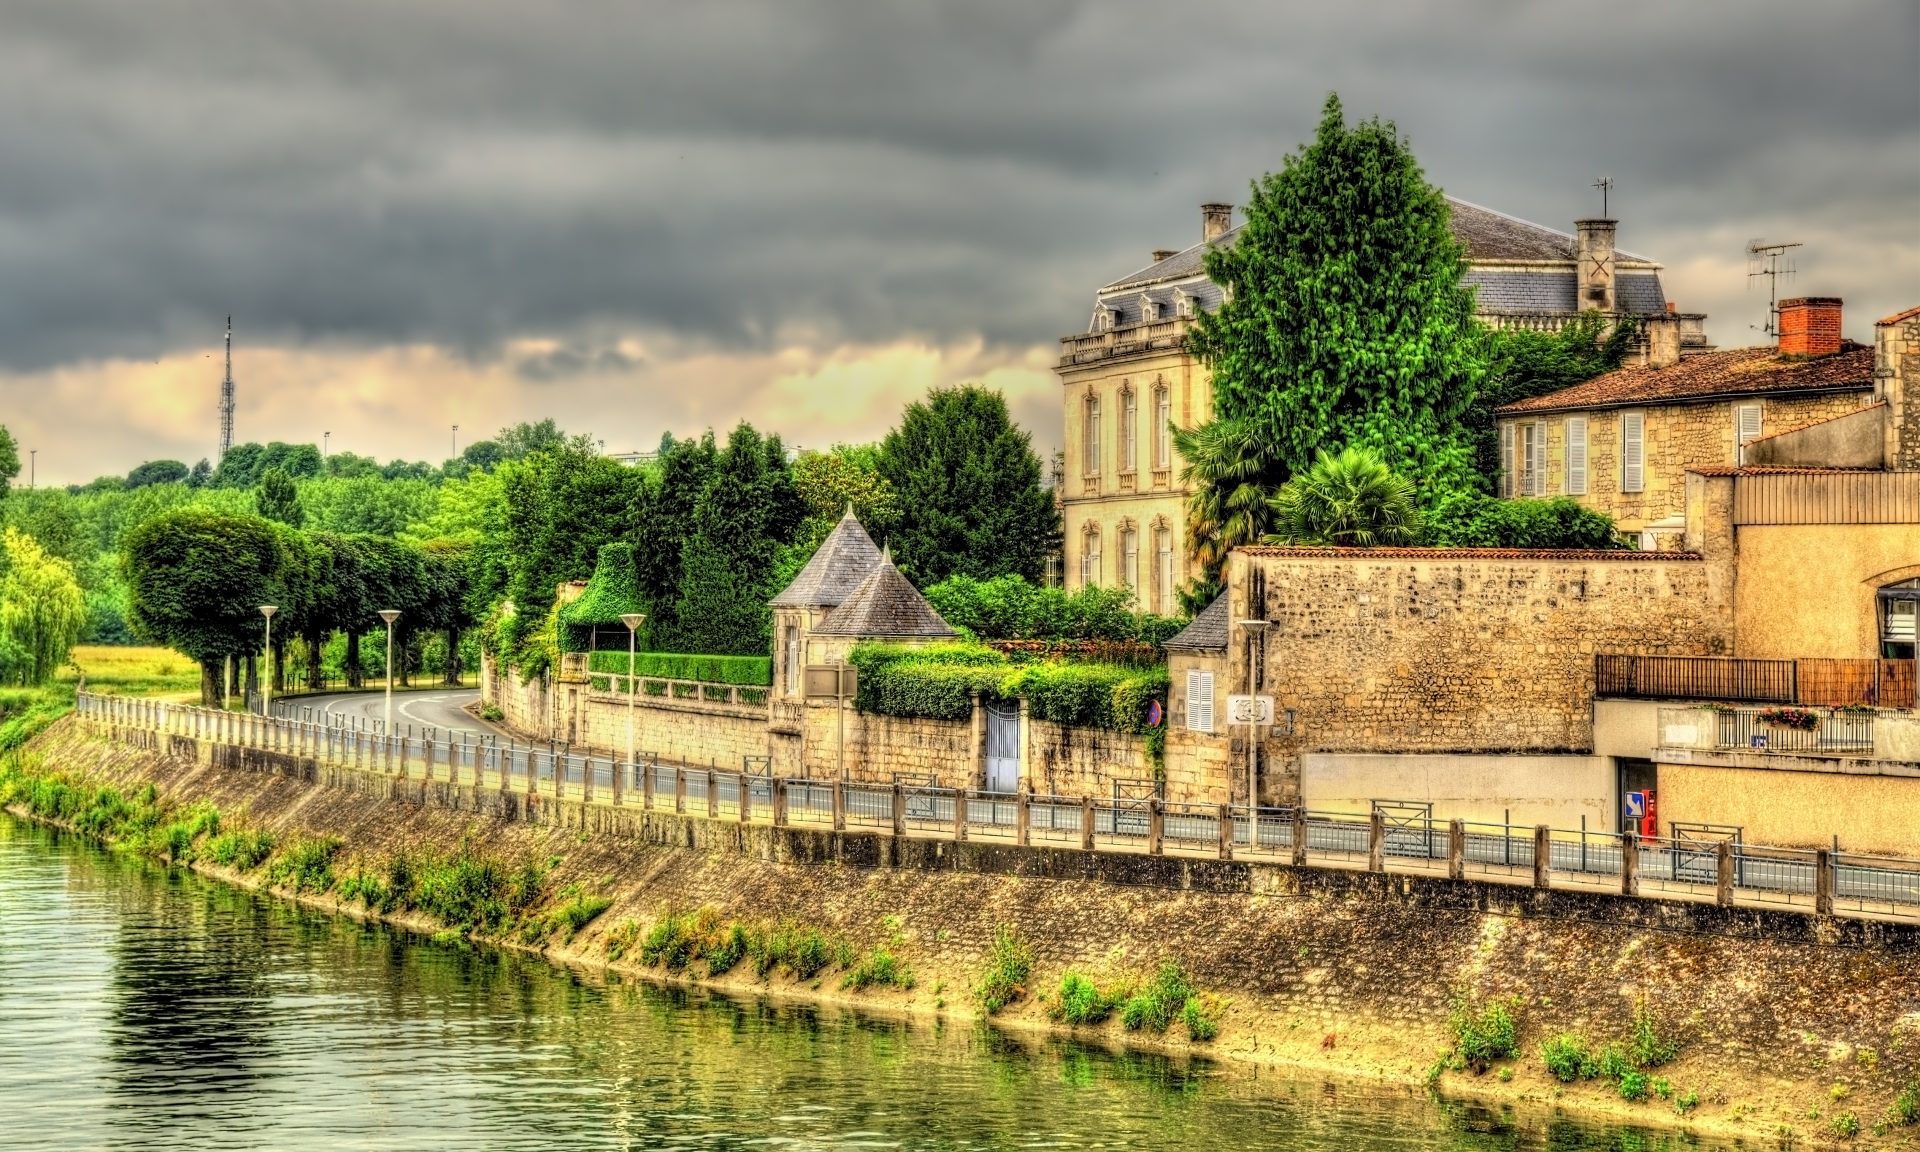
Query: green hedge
point(938, 682)
point(746, 671)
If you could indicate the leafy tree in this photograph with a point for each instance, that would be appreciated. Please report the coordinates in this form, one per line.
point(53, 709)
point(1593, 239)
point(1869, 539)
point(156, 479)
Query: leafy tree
point(196, 581)
point(1009, 608)
point(745, 515)
point(1231, 473)
point(1352, 500)
point(1476, 520)
point(277, 500)
point(42, 610)
point(518, 441)
point(664, 525)
point(828, 483)
point(967, 489)
point(157, 472)
point(367, 504)
point(202, 474)
point(486, 455)
point(1525, 364)
point(9, 460)
point(351, 465)
point(446, 567)
point(407, 470)
point(240, 467)
point(1346, 321)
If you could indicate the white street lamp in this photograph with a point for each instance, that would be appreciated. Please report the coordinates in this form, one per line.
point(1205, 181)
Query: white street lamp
point(266, 684)
point(389, 615)
point(1256, 629)
point(632, 620)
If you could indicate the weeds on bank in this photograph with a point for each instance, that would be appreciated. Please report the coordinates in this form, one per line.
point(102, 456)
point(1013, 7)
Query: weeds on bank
point(1168, 995)
point(1904, 1112)
point(1627, 1064)
point(1482, 1033)
point(678, 939)
point(1009, 967)
point(305, 866)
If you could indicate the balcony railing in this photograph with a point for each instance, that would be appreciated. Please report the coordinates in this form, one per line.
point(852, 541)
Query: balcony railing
point(1826, 683)
point(1783, 730)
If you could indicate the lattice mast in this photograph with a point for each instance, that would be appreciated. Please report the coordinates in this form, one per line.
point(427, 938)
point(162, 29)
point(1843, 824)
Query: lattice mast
point(226, 397)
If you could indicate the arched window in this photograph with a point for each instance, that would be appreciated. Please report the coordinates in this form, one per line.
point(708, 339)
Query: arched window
point(1163, 570)
point(1162, 427)
point(1090, 435)
point(1899, 619)
point(1090, 556)
point(1129, 426)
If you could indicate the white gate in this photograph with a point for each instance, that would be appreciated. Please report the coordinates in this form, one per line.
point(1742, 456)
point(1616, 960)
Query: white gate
point(1003, 746)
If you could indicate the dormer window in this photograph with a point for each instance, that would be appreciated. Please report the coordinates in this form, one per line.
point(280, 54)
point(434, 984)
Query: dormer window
point(1183, 305)
point(1149, 310)
point(1103, 318)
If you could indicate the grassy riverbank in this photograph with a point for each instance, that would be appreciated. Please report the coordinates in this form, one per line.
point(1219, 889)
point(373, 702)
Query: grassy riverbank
point(1643, 1027)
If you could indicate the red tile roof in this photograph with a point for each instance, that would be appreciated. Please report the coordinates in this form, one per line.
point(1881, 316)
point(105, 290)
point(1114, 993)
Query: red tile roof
point(1462, 553)
point(1897, 317)
point(1711, 376)
point(1775, 469)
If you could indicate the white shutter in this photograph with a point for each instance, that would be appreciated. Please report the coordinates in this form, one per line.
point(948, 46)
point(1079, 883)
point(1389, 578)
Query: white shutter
point(1199, 701)
point(1576, 455)
point(1507, 486)
point(1746, 428)
point(1633, 451)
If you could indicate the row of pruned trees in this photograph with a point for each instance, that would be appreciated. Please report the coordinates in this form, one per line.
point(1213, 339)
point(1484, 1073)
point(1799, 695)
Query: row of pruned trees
point(197, 579)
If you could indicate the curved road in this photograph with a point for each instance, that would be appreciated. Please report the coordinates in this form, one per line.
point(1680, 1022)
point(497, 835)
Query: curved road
point(442, 710)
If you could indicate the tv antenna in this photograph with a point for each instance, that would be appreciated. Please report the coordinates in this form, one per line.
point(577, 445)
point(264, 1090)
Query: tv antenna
point(1764, 259)
point(1605, 183)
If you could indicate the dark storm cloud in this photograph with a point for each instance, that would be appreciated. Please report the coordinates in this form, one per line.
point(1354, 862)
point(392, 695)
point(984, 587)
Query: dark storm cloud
point(471, 173)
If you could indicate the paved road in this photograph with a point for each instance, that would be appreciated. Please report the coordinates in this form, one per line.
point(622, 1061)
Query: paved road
point(442, 711)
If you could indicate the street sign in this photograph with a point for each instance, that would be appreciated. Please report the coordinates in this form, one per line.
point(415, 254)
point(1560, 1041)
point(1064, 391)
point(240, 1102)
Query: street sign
point(1249, 709)
point(1637, 805)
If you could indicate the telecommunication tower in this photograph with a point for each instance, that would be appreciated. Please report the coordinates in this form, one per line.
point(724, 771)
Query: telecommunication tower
point(226, 397)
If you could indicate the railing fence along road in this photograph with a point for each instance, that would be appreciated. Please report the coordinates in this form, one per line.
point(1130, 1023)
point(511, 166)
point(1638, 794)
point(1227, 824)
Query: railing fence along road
point(1698, 863)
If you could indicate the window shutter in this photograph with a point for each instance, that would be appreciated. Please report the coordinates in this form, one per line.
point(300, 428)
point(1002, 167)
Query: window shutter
point(1576, 455)
point(1633, 451)
point(1199, 701)
point(1507, 487)
point(1746, 428)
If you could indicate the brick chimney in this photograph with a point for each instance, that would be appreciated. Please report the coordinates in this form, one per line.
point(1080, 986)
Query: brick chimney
point(1593, 264)
point(1215, 219)
point(1810, 326)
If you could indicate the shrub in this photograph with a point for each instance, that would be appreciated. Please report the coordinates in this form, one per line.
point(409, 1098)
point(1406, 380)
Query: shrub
point(240, 850)
point(1473, 520)
point(808, 953)
point(726, 951)
point(620, 940)
point(670, 943)
point(882, 968)
point(743, 671)
point(1846, 1125)
point(1568, 1059)
point(1647, 1048)
point(305, 866)
point(576, 910)
point(1686, 1102)
point(1905, 1109)
point(1158, 1004)
point(1483, 1034)
point(1009, 608)
point(1009, 967)
point(1200, 1026)
point(1633, 1085)
point(1080, 1001)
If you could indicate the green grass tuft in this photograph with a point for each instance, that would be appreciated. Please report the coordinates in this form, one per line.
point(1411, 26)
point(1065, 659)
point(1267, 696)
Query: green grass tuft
point(1009, 967)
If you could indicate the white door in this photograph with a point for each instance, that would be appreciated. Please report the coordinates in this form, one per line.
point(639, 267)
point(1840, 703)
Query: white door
point(1003, 746)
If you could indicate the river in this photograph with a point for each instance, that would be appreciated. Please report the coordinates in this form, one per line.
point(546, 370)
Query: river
point(143, 1007)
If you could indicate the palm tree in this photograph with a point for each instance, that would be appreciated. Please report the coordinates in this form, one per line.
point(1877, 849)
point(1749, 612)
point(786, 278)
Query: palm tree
point(1352, 500)
point(1230, 473)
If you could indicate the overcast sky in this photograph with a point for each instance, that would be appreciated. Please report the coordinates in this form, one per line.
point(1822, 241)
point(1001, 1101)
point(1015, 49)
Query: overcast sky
point(643, 217)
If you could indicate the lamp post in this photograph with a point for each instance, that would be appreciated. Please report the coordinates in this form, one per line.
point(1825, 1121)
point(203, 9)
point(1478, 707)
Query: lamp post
point(1255, 629)
point(632, 620)
point(453, 441)
point(266, 682)
point(326, 439)
point(389, 615)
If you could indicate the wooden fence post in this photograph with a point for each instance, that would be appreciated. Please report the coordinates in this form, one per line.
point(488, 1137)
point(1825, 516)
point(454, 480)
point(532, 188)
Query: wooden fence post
point(1629, 864)
point(1224, 819)
point(899, 809)
point(1542, 856)
point(1299, 836)
point(1156, 826)
point(1723, 874)
point(779, 801)
point(1377, 842)
point(746, 797)
point(1086, 823)
point(1457, 849)
point(1823, 882)
point(679, 789)
point(959, 815)
point(1022, 820)
point(839, 806)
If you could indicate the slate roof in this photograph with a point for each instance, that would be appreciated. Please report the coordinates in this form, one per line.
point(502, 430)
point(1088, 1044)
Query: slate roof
point(1206, 633)
point(1711, 376)
point(1492, 239)
point(837, 567)
point(885, 605)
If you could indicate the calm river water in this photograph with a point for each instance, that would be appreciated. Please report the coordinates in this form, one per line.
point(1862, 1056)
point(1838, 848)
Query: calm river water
point(147, 1008)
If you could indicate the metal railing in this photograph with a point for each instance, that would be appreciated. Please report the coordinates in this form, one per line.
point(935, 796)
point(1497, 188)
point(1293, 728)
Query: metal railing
point(1697, 862)
point(1781, 729)
point(1815, 682)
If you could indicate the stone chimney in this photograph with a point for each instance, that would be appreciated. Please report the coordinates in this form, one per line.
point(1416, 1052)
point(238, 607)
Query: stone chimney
point(1810, 326)
point(1663, 340)
point(1160, 254)
point(1593, 264)
point(1215, 219)
point(1896, 380)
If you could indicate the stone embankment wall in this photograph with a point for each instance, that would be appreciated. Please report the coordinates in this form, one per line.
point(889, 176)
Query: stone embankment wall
point(1338, 971)
point(698, 732)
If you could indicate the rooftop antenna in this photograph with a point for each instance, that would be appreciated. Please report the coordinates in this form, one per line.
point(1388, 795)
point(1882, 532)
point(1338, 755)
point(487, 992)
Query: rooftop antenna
point(226, 397)
point(1605, 183)
point(1764, 259)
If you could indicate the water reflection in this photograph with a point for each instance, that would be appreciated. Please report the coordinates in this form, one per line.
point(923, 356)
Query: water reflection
point(148, 1009)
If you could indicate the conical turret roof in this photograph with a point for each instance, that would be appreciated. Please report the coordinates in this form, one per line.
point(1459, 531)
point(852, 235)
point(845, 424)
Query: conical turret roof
point(843, 560)
point(886, 606)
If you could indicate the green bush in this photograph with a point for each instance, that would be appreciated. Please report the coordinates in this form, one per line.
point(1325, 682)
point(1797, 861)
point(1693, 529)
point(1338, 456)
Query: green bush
point(1568, 1059)
point(305, 866)
point(939, 682)
point(745, 671)
point(576, 910)
point(1483, 1033)
point(1080, 1001)
point(808, 953)
point(727, 950)
point(1633, 1085)
point(620, 941)
point(240, 850)
point(1161, 1002)
point(1200, 1026)
point(1647, 1048)
point(1009, 967)
point(671, 943)
point(1009, 608)
point(1477, 521)
point(880, 968)
point(1905, 1109)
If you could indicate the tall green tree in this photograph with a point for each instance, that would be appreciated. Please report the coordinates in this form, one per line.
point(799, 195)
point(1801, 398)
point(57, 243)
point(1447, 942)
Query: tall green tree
point(157, 472)
point(195, 583)
point(745, 515)
point(665, 524)
point(1346, 320)
point(42, 610)
point(9, 460)
point(966, 486)
point(276, 499)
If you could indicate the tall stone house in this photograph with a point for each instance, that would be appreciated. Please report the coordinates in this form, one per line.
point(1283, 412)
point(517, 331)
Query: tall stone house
point(1623, 442)
point(1129, 377)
